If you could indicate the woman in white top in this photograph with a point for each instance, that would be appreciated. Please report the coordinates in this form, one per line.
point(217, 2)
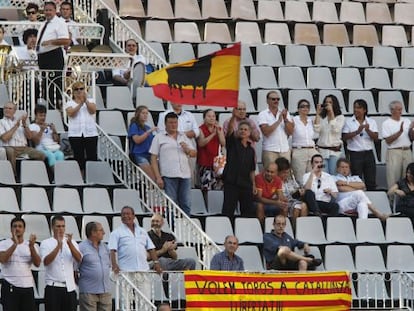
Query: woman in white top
point(303, 145)
point(329, 122)
point(82, 132)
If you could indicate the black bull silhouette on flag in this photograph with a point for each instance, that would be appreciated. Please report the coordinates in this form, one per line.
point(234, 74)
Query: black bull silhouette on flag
point(196, 75)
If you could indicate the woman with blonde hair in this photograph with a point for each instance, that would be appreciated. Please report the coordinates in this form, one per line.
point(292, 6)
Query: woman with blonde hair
point(82, 132)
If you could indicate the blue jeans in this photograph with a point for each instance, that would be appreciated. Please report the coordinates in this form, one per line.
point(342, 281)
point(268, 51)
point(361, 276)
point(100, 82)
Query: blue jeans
point(330, 164)
point(178, 189)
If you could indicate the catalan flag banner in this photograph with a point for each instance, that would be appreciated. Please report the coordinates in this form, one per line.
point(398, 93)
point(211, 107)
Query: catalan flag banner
point(231, 291)
point(212, 80)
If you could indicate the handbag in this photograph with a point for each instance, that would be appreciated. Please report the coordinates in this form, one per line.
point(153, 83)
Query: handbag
point(52, 147)
point(219, 163)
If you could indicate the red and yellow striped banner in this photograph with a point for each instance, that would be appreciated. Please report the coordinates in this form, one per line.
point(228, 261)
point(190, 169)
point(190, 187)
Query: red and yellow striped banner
point(211, 80)
point(231, 291)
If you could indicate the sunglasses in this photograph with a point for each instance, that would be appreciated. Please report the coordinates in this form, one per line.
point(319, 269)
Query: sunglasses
point(319, 183)
point(79, 89)
point(31, 12)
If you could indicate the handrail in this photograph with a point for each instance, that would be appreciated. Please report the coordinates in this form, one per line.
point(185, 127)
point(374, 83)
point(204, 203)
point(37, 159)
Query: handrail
point(127, 292)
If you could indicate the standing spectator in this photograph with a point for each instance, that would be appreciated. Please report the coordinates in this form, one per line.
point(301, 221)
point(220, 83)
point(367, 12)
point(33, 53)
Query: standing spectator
point(299, 200)
point(169, 161)
point(32, 12)
point(324, 187)
point(270, 200)
point(59, 254)
point(140, 138)
point(360, 132)
point(404, 190)
point(329, 122)
point(45, 137)
point(227, 260)
point(238, 115)
point(14, 134)
point(66, 13)
point(398, 134)
point(82, 132)
point(239, 172)
point(351, 196)
point(303, 145)
point(279, 249)
point(94, 270)
point(128, 245)
point(17, 257)
point(276, 126)
point(210, 140)
point(165, 247)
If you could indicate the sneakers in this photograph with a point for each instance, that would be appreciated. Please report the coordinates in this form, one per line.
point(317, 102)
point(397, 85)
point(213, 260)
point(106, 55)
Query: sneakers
point(314, 263)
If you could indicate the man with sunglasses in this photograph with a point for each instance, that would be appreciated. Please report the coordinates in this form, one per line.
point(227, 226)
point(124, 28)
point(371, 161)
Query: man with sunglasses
point(32, 11)
point(276, 126)
point(323, 186)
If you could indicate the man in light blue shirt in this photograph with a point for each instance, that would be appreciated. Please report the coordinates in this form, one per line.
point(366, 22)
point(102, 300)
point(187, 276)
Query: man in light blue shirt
point(94, 269)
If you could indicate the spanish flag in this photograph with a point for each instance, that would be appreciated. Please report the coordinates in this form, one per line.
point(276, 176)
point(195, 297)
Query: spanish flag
point(212, 80)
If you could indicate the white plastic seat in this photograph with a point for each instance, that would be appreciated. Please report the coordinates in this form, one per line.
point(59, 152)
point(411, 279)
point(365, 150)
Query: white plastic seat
point(119, 97)
point(6, 173)
point(145, 96)
point(218, 227)
point(369, 258)
point(411, 102)
point(399, 230)
point(404, 13)
point(354, 57)
point(68, 173)
point(112, 122)
point(380, 200)
point(35, 200)
point(243, 80)
point(186, 32)
point(198, 206)
point(340, 229)
point(34, 173)
point(402, 79)
point(66, 200)
point(291, 78)
point(297, 11)
point(99, 173)
point(365, 35)
point(187, 9)
point(96, 200)
point(324, 11)
point(36, 224)
point(326, 55)
point(253, 235)
point(243, 9)
point(377, 12)
point(335, 34)
point(248, 33)
point(277, 33)
point(319, 78)
point(157, 30)
point(295, 95)
point(386, 97)
point(72, 227)
point(214, 9)
point(377, 78)
point(246, 96)
point(310, 230)
point(268, 54)
point(252, 259)
point(394, 35)
point(180, 52)
point(127, 197)
point(55, 117)
point(207, 48)
point(262, 77)
point(157, 47)
point(131, 8)
point(9, 200)
point(365, 95)
point(102, 220)
point(5, 220)
point(400, 257)
point(215, 201)
point(188, 252)
point(348, 78)
point(407, 57)
point(384, 56)
point(4, 95)
point(307, 34)
point(352, 12)
point(297, 55)
point(338, 257)
point(269, 10)
point(217, 32)
point(246, 57)
point(370, 231)
point(161, 9)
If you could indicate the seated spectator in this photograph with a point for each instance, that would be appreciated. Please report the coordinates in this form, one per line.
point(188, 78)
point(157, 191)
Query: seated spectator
point(2, 41)
point(279, 249)
point(227, 260)
point(26, 55)
point(45, 137)
point(351, 197)
point(324, 187)
point(299, 200)
point(270, 200)
point(208, 145)
point(32, 12)
point(165, 247)
point(14, 134)
point(404, 190)
point(140, 138)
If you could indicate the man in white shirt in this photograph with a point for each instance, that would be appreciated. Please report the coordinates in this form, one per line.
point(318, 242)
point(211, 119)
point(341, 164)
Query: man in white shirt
point(66, 12)
point(276, 126)
point(397, 133)
point(59, 254)
point(17, 257)
point(323, 185)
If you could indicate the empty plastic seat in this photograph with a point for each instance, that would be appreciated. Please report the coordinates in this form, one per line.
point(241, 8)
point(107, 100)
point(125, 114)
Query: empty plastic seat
point(384, 56)
point(400, 257)
point(277, 33)
point(402, 79)
point(377, 78)
point(55, 117)
point(340, 229)
point(297, 11)
point(399, 230)
point(34, 173)
point(215, 200)
point(411, 102)
point(369, 258)
point(338, 257)
point(378, 13)
point(145, 96)
point(348, 78)
point(99, 173)
point(188, 252)
point(246, 96)
point(96, 200)
point(35, 200)
point(188, 9)
point(161, 9)
point(251, 256)
point(262, 77)
point(127, 197)
point(365, 95)
point(5, 220)
point(404, 13)
point(310, 230)
point(319, 78)
point(243, 80)
point(365, 35)
point(380, 200)
point(369, 231)
point(269, 10)
point(407, 57)
point(207, 48)
point(68, 173)
point(352, 12)
point(112, 122)
point(297, 55)
point(214, 9)
point(248, 32)
point(307, 34)
point(158, 31)
point(119, 97)
point(326, 55)
point(394, 35)
point(36, 224)
point(268, 55)
point(66, 200)
point(324, 11)
point(354, 57)
point(218, 227)
point(102, 220)
point(243, 9)
point(217, 32)
point(131, 8)
point(295, 95)
point(4, 95)
point(180, 52)
point(6, 173)
point(291, 78)
point(335, 34)
point(186, 32)
point(198, 205)
point(253, 235)
point(9, 201)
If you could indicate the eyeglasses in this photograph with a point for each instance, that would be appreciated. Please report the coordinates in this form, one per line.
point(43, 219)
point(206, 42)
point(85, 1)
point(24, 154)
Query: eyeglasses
point(319, 183)
point(31, 12)
point(274, 98)
point(304, 106)
point(241, 109)
point(79, 89)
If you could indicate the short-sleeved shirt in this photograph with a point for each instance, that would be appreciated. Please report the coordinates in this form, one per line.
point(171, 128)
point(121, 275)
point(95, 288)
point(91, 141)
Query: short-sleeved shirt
point(55, 29)
point(361, 142)
point(268, 189)
point(271, 244)
point(277, 141)
point(391, 126)
point(143, 147)
point(326, 182)
point(47, 137)
point(18, 139)
point(131, 248)
point(160, 240)
point(17, 270)
point(222, 262)
point(82, 123)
